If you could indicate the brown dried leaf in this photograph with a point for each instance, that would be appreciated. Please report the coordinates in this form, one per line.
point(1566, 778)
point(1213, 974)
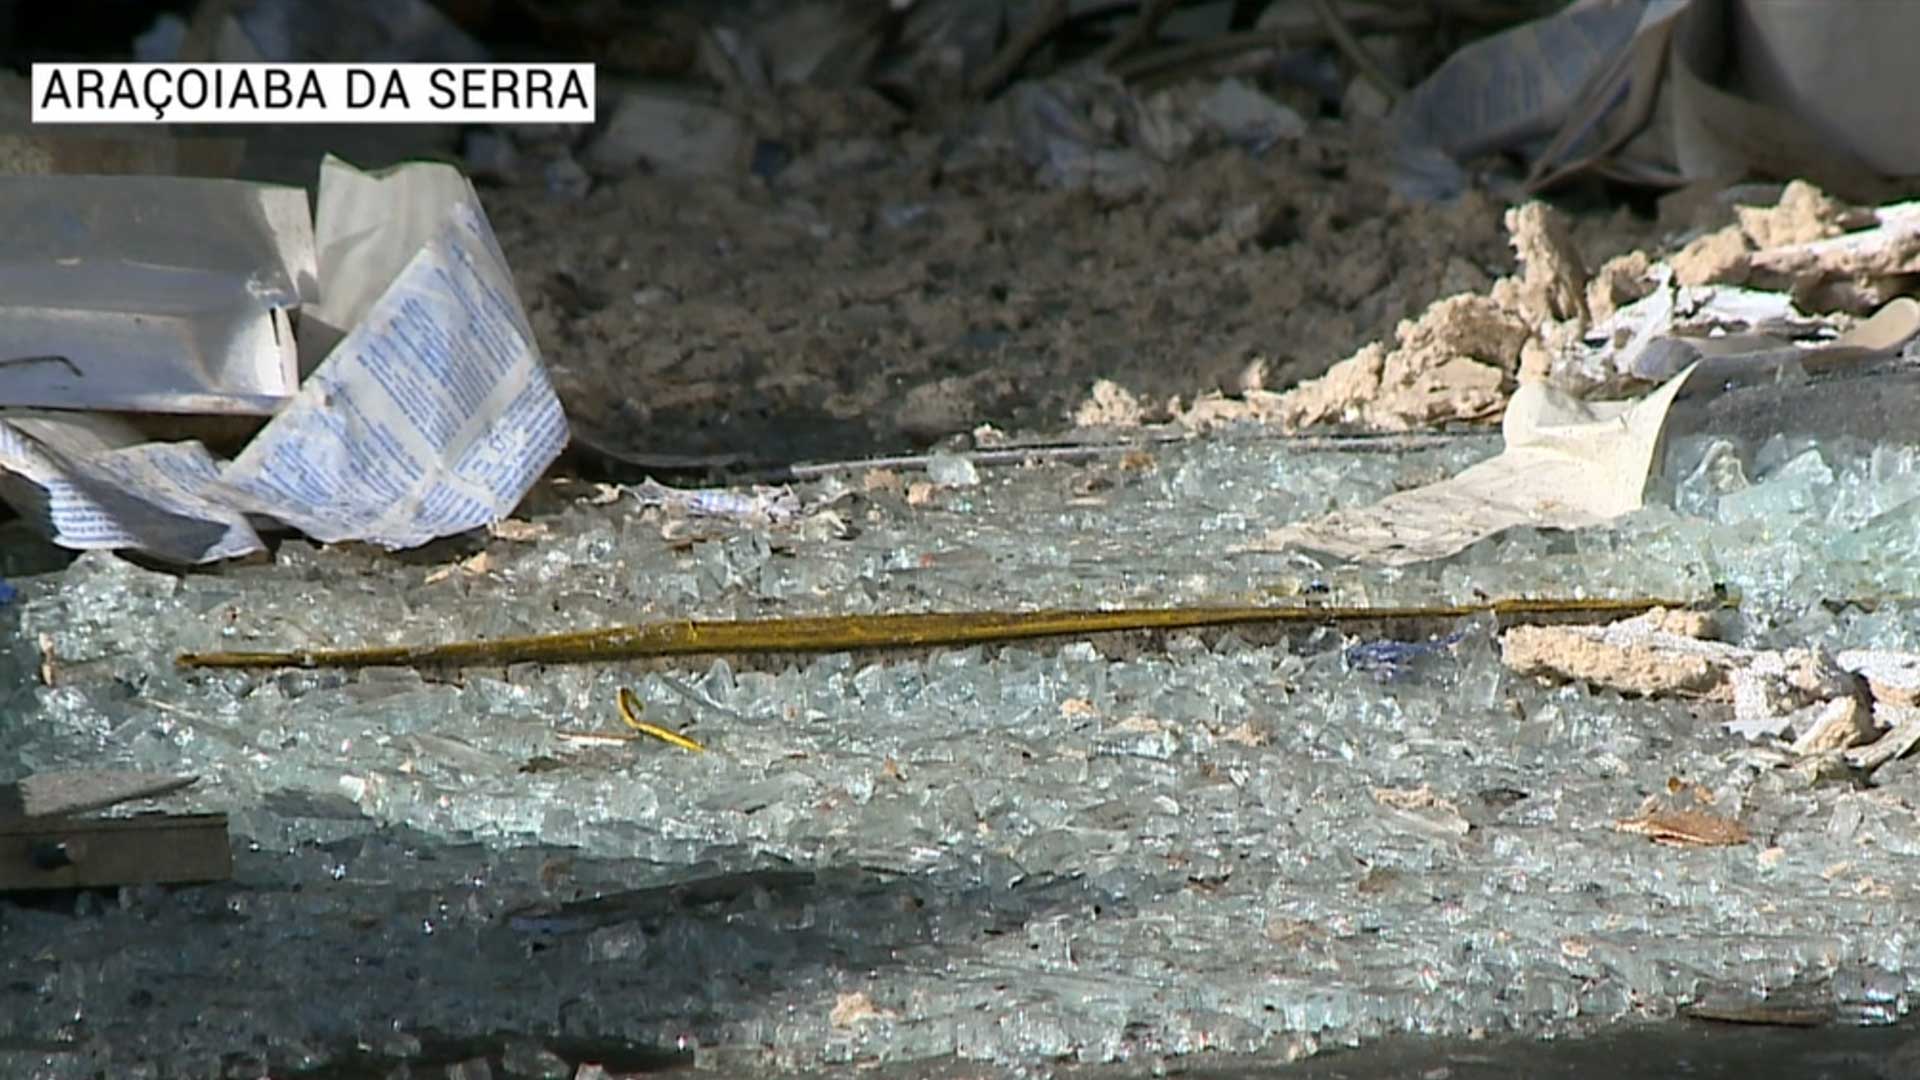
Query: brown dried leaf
point(1681, 828)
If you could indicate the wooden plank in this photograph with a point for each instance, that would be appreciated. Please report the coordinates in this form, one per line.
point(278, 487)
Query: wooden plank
point(69, 853)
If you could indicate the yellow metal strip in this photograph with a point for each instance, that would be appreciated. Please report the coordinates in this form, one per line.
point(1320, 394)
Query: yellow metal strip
point(837, 633)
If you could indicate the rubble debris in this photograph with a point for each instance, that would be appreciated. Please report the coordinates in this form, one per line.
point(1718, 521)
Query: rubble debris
point(1248, 118)
point(1836, 724)
point(1819, 703)
point(1552, 284)
point(1893, 677)
point(1110, 405)
point(1620, 280)
point(1455, 362)
point(764, 503)
point(852, 1009)
point(1423, 810)
point(1902, 724)
point(1037, 791)
point(1634, 665)
point(1852, 272)
point(1802, 214)
point(520, 531)
point(1721, 257)
point(952, 471)
point(1460, 360)
point(1093, 136)
point(1738, 294)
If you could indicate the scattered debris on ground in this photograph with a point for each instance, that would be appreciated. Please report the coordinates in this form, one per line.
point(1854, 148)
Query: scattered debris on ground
point(871, 718)
point(1800, 697)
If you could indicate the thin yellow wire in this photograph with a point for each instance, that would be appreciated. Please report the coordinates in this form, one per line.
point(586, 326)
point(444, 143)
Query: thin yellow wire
point(630, 707)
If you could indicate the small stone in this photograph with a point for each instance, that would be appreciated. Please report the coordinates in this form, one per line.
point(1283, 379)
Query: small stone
point(952, 470)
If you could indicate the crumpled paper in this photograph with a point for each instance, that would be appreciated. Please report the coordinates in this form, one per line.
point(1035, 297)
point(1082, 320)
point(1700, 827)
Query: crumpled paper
point(1568, 464)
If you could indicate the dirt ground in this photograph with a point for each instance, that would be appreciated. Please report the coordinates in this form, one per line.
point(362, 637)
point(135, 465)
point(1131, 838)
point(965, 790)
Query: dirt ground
point(879, 295)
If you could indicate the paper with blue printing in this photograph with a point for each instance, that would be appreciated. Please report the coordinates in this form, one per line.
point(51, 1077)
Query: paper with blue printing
point(433, 415)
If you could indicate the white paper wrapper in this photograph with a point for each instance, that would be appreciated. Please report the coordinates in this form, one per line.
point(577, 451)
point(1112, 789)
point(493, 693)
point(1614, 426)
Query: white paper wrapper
point(431, 416)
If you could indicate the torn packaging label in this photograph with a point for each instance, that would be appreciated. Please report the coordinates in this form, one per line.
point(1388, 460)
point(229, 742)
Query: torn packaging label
point(433, 415)
point(90, 483)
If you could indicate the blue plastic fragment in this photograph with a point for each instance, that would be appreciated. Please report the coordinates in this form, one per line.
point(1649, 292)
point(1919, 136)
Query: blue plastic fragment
point(1390, 659)
point(7, 593)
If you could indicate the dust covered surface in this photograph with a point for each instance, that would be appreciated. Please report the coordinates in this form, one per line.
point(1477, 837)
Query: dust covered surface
point(1070, 854)
point(885, 299)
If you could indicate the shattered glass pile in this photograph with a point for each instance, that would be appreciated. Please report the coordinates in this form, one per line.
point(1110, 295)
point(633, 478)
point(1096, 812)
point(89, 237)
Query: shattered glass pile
point(1067, 851)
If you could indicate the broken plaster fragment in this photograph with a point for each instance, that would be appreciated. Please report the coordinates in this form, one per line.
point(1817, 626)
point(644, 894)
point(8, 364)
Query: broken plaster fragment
point(1773, 692)
point(1721, 257)
point(1892, 677)
point(1840, 724)
point(856, 1008)
point(1110, 405)
point(1686, 622)
point(1856, 271)
point(1769, 687)
point(1640, 667)
point(1903, 734)
point(1803, 213)
point(1458, 360)
point(1552, 284)
point(1620, 281)
point(1452, 363)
